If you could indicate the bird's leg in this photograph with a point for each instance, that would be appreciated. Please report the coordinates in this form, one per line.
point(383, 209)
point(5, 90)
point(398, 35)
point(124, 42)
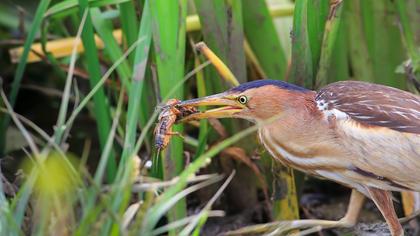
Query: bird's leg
point(349, 220)
point(383, 201)
point(355, 205)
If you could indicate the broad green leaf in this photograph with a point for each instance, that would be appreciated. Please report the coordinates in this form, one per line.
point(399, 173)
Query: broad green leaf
point(262, 37)
point(316, 19)
point(112, 49)
point(381, 32)
point(69, 6)
point(100, 100)
point(361, 63)
point(169, 37)
point(221, 23)
point(301, 71)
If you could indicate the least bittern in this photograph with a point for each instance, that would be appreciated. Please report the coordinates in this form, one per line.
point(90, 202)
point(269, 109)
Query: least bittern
point(364, 136)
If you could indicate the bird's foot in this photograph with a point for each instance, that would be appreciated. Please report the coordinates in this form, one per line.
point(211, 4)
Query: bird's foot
point(293, 227)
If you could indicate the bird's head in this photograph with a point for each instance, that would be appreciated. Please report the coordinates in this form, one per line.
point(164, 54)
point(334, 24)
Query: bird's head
point(254, 101)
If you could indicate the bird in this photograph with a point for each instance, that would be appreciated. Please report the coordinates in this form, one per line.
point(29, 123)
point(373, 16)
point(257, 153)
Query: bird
point(362, 135)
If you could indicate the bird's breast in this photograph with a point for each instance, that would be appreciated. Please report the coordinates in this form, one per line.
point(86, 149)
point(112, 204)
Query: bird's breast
point(310, 155)
point(297, 152)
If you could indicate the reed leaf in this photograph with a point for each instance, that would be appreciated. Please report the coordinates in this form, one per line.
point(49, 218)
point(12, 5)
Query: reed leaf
point(168, 27)
point(35, 26)
point(101, 104)
point(380, 30)
point(361, 63)
point(301, 71)
point(409, 38)
point(112, 49)
point(136, 109)
point(263, 39)
point(223, 33)
point(129, 23)
point(316, 23)
point(332, 26)
point(68, 7)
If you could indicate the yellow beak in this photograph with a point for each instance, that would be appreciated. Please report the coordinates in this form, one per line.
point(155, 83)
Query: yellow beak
point(229, 107)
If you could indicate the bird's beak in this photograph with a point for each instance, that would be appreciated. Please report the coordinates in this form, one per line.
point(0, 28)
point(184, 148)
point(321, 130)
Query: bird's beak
point(229, 107)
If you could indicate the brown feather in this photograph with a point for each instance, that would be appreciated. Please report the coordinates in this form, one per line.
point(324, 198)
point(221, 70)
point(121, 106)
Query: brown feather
point(373, 105)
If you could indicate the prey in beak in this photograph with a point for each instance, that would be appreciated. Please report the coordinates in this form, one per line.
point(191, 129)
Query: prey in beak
point(228, 106)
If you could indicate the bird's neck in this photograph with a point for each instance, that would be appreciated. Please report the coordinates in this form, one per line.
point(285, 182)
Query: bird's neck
point(284, 105)
point(297, 131)
point(300, 108)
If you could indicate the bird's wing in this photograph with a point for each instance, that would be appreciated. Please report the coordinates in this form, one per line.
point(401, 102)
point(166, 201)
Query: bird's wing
point(372, 105)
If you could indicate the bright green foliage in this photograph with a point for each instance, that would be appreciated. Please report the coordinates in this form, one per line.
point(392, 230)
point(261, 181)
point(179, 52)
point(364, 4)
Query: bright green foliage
point(315, 27)
point(301, 71)
point(222, 30)
point(339, 67)
point(329, 40)
point(168, 26)
point(408, 29)
point(360, 60)
point(137, 107)
point(100, 108)
point(129, 23)
point(67, 7)
point(113, 50)
point(383, 41)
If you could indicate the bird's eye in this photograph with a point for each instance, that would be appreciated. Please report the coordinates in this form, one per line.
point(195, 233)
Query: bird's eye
point(242, 99)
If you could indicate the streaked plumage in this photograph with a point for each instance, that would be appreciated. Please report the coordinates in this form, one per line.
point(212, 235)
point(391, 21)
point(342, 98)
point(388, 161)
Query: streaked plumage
point(382, 129)
point(348, 142)
point(373, 104)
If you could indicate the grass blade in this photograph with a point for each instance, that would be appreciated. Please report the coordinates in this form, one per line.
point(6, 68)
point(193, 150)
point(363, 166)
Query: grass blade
point(329, 40)
point(138, 83)
point(222, 29)
point(409, 38)
point(4, 121)
point(182, 222)
point(163, 206)
point(201, 161)
point(103, 160)
point(67, 7)
point(262, 37)
point(204, 212)
point(104, 29)
point(100, 101)
point(301, 71)
point(62, 114)
point(62, 47)
point(129, 24)
point(360, 60)
point(218, 64)
point(339, 68)
point(204, 125)
point(168, 27)
point(382, 32)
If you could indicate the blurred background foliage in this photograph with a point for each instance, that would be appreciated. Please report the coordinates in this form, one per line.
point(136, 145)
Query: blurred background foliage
point(84, 79)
